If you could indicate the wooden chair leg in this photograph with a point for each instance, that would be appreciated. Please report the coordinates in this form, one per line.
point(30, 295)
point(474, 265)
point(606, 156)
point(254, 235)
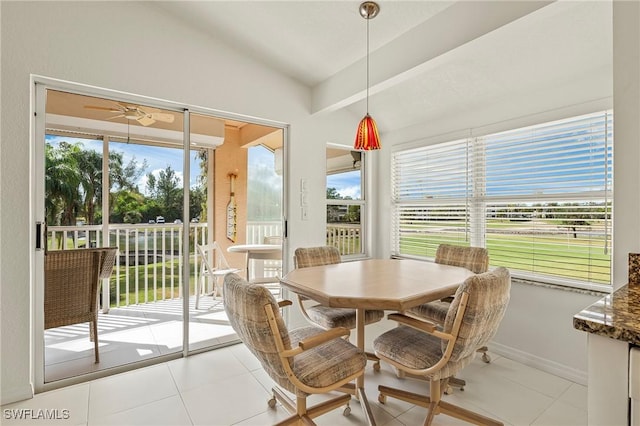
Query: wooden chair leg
point(466, 415)
point(300, 414)
point(413, 398)
point(457, 383)
point(435, 405)
point(375, 359)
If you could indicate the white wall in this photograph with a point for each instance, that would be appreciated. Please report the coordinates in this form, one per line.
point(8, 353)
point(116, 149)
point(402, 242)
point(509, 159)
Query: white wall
point(130, 47)
point(537, 328)
point(626, 191)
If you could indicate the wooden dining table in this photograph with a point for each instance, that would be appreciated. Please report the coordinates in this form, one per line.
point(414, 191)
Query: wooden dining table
point(388, 284)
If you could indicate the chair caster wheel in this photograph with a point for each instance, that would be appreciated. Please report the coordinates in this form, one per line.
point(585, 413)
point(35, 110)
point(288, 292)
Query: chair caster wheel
point(448, 390)
point(376, 366)
point(382, 399)
point(486, 358)
point(347, 411)
point(272, 402)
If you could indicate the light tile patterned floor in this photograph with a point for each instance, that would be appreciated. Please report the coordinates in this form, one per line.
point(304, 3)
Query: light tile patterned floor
point(228, 387)
point(134, 333)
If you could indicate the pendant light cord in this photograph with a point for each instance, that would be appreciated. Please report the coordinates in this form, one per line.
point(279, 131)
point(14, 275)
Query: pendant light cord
point(368, 65)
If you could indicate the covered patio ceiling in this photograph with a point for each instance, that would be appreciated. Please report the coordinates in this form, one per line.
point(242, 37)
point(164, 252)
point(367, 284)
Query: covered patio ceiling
point(80, 115)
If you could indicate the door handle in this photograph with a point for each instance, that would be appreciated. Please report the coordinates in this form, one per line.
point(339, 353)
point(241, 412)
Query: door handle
point(41, 238)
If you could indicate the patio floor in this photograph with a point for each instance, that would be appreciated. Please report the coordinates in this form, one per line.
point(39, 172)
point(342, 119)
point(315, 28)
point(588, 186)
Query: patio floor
point(134, 333)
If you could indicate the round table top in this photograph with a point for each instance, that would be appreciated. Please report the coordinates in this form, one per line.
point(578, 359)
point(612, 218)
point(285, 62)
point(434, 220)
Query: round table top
point(244, 248)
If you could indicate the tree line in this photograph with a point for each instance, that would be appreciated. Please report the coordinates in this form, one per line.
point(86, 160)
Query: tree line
point(73, 188)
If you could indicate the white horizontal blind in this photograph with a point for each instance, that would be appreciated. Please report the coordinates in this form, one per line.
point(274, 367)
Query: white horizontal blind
point(539, 198)
point(548, 198)
point(431, 193)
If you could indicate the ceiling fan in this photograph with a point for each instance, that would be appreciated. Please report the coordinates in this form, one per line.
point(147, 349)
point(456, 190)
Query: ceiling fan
point(143, 115)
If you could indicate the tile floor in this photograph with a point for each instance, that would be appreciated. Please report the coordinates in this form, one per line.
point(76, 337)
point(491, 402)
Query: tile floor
point(227, 386)
point(134, 333)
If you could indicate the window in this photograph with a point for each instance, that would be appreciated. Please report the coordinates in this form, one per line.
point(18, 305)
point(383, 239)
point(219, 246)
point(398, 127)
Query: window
point(538, 198)
point(345, 201)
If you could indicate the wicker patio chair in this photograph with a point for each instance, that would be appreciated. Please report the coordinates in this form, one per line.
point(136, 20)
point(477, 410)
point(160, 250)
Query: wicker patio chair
point(72, 279)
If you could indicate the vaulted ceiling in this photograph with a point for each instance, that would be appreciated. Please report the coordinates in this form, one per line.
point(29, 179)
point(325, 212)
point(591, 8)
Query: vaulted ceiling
point(429, 59)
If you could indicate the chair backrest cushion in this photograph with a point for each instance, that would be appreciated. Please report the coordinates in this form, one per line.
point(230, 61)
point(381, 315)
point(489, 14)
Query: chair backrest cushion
point(475, 259)
point(489, 295)
point(245, 304)
point(305, 257)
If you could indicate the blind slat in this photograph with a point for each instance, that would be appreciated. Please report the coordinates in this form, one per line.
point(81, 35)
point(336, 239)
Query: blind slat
point(539, 198)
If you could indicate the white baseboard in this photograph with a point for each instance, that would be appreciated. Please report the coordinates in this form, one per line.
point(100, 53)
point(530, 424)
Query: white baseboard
point(16, 394)
point(557, 369)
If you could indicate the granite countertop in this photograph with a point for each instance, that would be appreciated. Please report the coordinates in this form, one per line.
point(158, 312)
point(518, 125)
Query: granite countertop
point(616, 315)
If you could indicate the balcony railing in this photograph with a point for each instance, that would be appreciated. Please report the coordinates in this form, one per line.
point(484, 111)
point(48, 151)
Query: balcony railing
point(149, 266)
point(150, 262)
point(345, 236)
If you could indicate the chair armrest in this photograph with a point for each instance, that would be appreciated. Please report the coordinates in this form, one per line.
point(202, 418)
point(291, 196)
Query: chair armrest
point(324, 337)
point(423, 325)
point(419, 324)
point(283, 303)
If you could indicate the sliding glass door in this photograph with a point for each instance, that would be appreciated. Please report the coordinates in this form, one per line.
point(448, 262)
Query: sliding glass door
point(115, 173)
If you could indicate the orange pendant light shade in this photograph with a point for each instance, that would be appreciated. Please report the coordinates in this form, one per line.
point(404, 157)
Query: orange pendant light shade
point(367, 137)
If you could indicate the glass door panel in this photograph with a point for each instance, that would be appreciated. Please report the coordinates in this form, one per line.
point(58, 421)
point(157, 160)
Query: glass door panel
point(137, 209)
point(234, 178)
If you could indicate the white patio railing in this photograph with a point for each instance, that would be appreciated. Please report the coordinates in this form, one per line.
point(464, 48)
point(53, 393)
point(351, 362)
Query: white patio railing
point(149, 266)
point(346, 237)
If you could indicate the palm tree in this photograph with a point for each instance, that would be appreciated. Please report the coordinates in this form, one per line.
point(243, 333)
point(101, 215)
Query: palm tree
point(90, 182)
point(61, 186)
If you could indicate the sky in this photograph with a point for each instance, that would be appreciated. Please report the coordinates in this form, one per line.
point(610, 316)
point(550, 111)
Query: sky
point(158, 158)
point(346, 184)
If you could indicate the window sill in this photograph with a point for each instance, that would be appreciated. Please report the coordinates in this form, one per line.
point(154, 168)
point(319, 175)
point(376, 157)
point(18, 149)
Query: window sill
point(598, 292)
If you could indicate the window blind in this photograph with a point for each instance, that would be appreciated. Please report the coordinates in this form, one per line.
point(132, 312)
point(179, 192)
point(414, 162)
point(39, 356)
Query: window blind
point(431, 192)
point(538, 198)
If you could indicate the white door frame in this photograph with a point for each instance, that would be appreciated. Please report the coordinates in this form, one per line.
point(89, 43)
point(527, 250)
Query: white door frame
point(39, 87)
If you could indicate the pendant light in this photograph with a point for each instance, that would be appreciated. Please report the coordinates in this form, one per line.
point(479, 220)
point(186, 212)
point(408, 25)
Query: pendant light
point(367, 137)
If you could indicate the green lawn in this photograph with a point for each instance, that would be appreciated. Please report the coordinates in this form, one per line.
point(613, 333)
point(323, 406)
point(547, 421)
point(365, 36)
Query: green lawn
point(149, 274)
point(543, 254)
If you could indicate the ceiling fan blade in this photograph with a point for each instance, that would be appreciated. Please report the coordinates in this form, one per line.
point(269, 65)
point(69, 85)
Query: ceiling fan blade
point(115, 116)
point(162, 116)
point(145, 120)
point(100, 108)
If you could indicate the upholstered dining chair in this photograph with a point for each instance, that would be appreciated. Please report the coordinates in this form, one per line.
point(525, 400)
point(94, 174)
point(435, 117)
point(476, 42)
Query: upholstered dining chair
point(324, 316)
point(475, 259)
point(304, 361)
point(71, 287)
point(419, 347)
